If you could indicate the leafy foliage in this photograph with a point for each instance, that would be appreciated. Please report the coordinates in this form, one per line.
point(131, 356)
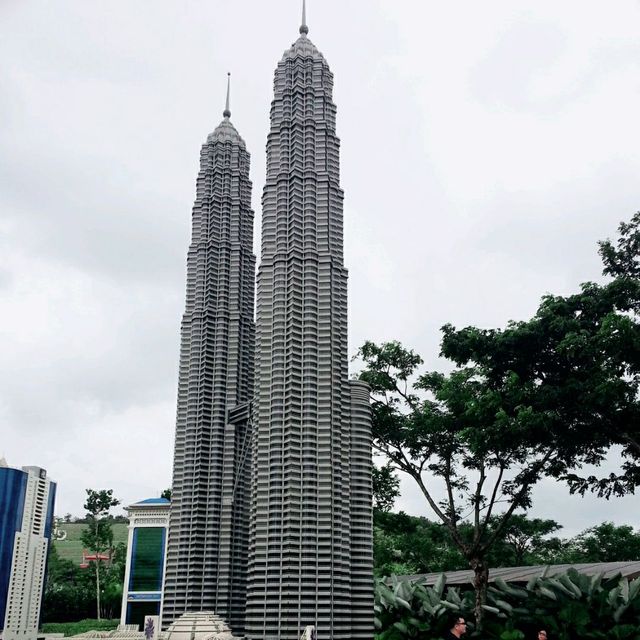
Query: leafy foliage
point(70, 591)
point(540, 398)
point(405, 609)
point(605, 542)
point(406, 545)
point(385, 487)
point(81, 626)
point(571, 606)
point(98, 537)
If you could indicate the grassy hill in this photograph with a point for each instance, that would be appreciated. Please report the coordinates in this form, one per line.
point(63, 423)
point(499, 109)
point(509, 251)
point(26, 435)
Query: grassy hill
point(71, 548)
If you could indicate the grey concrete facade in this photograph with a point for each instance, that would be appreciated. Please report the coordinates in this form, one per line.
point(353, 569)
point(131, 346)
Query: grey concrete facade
point(310, 554)
point(208, 529)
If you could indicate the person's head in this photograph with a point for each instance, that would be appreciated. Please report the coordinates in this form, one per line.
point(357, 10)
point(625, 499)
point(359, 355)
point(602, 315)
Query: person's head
point(542, 635)
point(458, 626)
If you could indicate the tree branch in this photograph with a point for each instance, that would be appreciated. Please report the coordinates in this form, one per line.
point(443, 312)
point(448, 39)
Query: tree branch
point(632, 442)
point(455, 535)
point(405, 396)
point(492, 501)
point(447, 480)
point(516, 500)
point(476, 506)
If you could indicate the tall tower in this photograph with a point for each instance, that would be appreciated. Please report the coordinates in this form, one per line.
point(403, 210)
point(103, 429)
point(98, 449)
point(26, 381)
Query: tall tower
point(208, 528)
point(27, 499)
point(310, 535)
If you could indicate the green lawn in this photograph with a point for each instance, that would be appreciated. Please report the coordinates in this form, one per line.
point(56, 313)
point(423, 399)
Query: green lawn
point(74, 628)
point(71, 548)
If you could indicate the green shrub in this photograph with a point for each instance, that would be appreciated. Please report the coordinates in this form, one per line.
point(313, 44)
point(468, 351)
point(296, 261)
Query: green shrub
point(571, 606)
point(74, 628)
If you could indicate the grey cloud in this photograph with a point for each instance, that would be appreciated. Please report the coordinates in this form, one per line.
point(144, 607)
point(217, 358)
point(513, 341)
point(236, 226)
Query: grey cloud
point(63, 42)
point(6, 278)
point(95, 218)
point(104, 108)
point(82, 373)
point(519, 73)
point(579, 215)
point(523, 53)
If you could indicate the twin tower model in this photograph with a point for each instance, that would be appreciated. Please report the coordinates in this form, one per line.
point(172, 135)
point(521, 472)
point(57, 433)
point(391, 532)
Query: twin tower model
point(270, 521)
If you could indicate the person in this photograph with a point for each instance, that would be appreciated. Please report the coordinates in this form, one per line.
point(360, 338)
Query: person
point(542, 635)
point(458, 629)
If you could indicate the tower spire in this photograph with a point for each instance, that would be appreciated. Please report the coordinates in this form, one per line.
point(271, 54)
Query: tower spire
point(227, 113)
point(303, 27)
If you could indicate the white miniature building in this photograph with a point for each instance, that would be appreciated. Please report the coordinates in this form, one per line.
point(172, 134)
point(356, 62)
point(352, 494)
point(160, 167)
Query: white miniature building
point(26, 520)
point(146, 560)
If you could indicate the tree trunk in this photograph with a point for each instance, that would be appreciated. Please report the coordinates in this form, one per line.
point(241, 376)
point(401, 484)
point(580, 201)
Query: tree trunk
point(519, 557)
point(480, 583)
point(97, 569)
point(98, 584)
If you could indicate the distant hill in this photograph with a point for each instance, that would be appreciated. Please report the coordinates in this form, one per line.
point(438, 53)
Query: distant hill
point(71, 548)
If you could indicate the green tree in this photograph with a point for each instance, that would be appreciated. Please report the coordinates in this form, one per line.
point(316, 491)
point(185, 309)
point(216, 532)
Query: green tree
point(571, 606)
point(406, 545)
point(166, 494)
point(527, 541)
point(386, 487)
point(537, 399)
point(620, 335)
point(68, 593)
point(98, 536)
point(605, 542)
point(113, 581)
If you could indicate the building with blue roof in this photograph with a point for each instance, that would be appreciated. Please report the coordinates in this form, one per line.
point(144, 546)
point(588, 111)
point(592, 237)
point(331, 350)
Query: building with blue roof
point(146, 560)
point(152, 501)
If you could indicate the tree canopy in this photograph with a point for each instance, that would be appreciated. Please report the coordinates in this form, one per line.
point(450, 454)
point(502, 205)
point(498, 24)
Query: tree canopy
point(386, 487)
point(605, 542)
point(539, 398)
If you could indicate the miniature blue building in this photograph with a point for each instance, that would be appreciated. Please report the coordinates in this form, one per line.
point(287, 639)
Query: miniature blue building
point(146, 558)
point(26, 517)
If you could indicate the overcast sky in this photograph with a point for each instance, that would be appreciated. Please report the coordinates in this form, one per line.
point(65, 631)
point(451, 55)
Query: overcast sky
point(486, 147)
